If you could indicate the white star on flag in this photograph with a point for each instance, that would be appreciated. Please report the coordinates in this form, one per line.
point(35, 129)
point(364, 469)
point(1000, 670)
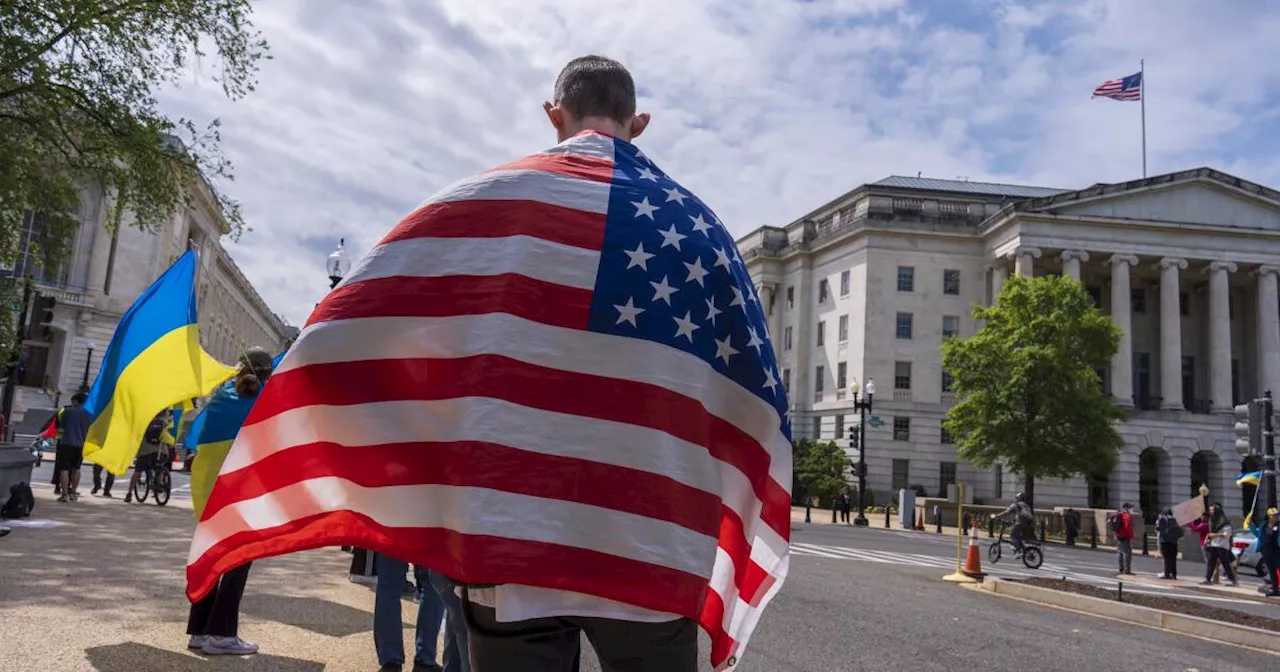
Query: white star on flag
point(646, 174)
point(737, 299)
point(696, 271)
point(671, 237)
point(627, 312)
point(724, 350)
point(755, 341)
point(639, 257)
point(722, 259)
point(674, 194)
point(700, 225)
point(662, 291)
point(685, 326)
point(712, 311)
point(644, 208)
point(769, 381)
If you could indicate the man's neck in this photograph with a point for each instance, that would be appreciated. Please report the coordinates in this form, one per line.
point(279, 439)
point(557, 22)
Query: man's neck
point(600, 125)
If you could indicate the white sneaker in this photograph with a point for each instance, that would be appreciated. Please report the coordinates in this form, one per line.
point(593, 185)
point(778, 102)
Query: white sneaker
point(197, 642)
point(228, 646)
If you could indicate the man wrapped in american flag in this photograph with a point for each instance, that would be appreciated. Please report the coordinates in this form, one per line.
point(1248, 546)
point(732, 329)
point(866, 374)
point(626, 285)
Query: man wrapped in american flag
point(553, 383)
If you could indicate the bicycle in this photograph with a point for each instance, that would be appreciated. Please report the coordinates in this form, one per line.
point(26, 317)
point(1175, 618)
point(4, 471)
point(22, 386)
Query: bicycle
point(155, 479)
point(1032, 554)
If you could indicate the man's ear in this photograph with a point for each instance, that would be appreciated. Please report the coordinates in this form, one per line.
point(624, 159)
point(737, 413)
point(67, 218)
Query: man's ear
point(555, 115)
point(638, 124)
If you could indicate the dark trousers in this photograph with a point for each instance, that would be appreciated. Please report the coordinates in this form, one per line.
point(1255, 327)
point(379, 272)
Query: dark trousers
point(1219, 556)
point(1270, 561)
point(553, 644)
point(363, 563)
point(1169, 553)
point(97, 479)
point(1072, 533)
point(218, 614)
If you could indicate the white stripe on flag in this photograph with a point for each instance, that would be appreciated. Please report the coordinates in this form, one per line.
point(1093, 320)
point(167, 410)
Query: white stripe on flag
point(529, 185)
point(439, 257)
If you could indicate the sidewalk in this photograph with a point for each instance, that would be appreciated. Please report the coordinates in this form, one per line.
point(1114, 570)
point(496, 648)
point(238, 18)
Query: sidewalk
point(104, 591)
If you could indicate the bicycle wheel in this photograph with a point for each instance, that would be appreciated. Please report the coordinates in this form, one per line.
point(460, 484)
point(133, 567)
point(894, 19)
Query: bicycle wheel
point(161, 487)
point(1032, 557)
point(993, 552)
point(143, 488)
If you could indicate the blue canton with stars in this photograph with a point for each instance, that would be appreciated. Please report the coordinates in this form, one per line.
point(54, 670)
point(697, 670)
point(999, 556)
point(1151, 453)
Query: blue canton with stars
point(671, 273)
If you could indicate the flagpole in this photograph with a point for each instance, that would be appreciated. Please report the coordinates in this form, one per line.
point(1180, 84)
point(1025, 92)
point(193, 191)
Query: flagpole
point(1142, 98)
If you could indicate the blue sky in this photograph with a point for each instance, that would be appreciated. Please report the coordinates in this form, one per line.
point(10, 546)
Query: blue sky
point(765, 108)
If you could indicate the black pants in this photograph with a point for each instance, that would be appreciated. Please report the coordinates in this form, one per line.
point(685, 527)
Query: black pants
point(97, 479)
point(553, 644)
point(218, 614)
point(363, 563)
point(1270, 561)
point(1219, 556)
point(1072, 533)
point(1169, 553)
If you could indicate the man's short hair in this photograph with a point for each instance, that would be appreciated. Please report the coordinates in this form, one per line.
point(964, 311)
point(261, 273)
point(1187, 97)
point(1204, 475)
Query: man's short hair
point(78, 398)
point(595, 86)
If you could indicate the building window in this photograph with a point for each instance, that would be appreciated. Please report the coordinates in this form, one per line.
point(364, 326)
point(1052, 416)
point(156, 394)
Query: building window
point(951, 282)
point(786, 380)
point(786, 339)
point(1095, 295)
point(901, 428)
point(1138, 300)
point(35, 245)
point(906, 279)
point(946, 477)
point(791, 298)
point(1231, 305)
point(844, 328)
point(818, 374)
point(901, 474)
point(839, 427)
point(817, 427)
point(948, 381)
point(842, 379)
point(945, 437)
point(822, 333)
point(1184, 304)
point(950, 325)
point(999, 474)
point(902, 375)
point(822, 290)
point(844, 283)
point(903, 326)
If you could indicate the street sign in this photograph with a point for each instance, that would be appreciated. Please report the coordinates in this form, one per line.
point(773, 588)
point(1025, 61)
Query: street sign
point(875, 421)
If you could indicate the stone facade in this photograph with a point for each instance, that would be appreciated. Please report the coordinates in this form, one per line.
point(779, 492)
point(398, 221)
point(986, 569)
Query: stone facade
point(105, 273)
point(1185, 263)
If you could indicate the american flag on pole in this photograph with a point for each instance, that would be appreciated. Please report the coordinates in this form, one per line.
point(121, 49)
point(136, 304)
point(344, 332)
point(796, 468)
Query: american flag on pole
point(554, 374)
point(1126, 88)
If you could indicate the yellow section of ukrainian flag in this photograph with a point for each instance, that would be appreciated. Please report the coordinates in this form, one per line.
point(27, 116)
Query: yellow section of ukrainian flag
point(154, 362)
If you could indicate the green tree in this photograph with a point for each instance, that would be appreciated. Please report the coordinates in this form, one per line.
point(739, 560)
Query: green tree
point(78, 86)
point(819, 468)
point(1031, 396)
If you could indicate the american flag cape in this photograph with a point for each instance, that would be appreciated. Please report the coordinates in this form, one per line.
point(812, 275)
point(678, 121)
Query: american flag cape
point(555, 374)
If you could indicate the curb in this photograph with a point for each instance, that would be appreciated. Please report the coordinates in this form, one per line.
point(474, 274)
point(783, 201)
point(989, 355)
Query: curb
point(1228, 633)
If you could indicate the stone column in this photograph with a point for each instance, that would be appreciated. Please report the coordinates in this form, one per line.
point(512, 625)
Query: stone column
point(1071, 263)
point(1122, 315)
point(1268, 331)
point(1220, 335)
point(999, 273)
point(1025, 260)
point(1170, 333)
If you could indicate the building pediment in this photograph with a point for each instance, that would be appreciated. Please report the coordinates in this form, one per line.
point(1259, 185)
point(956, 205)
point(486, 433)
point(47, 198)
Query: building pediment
point(1200, 197)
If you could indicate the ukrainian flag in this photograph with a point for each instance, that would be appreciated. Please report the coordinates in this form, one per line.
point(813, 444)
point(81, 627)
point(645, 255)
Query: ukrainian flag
point(173, 429)
point(154, 362)
point(1253, 478)
point(218, 425)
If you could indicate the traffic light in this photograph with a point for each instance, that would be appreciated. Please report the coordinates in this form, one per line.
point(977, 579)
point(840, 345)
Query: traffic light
point(1249, 428)
point(41, 318)
point(853, 438)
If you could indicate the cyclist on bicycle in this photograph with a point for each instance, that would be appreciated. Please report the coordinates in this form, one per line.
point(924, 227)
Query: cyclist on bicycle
point(1024, 519)
point(149, 455)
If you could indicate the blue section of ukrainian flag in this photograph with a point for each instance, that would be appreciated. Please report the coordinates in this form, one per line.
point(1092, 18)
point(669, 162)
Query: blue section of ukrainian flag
point(154, 362)
point(1251, 478)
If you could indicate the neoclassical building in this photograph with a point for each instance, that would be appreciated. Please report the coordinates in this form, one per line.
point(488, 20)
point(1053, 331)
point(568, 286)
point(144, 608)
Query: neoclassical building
point(105, 273)
point(867, 286)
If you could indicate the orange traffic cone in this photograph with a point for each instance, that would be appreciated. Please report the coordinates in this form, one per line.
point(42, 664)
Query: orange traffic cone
point(920, 522)
point(973, 561)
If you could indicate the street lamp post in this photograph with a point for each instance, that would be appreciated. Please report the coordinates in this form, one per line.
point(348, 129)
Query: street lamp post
point(88, 362)
point(863, 408)
point(337, 265)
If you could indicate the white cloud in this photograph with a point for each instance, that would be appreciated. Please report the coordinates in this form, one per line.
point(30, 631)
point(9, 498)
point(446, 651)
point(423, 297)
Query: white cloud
point(764, 108)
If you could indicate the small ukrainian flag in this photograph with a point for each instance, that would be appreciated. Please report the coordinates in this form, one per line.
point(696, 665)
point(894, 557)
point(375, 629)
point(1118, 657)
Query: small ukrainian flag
point(1253, 478)
point(154, 362)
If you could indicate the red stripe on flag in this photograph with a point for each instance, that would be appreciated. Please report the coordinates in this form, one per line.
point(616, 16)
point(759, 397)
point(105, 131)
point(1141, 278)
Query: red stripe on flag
point(549, 389)
point(712, 620)
point(479, 465)
point(466, 558)
point(498, 219)
point(403, 296)
point(579, 166)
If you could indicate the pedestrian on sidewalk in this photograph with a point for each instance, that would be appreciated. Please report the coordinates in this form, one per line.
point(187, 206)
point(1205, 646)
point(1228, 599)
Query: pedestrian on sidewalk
point(149, 453)
point(1201, 527)
point(1071, 524)
point(73, 426)
point(1122, 526)
point(388, 629)
point(1168, 532)
point(1268, 534)
point(99, 484)
point(214, 621)
point(1219, 545)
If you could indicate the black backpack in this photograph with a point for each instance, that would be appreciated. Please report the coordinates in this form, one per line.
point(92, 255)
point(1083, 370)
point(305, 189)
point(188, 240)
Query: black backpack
point(154, 431)
point(21, 502)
